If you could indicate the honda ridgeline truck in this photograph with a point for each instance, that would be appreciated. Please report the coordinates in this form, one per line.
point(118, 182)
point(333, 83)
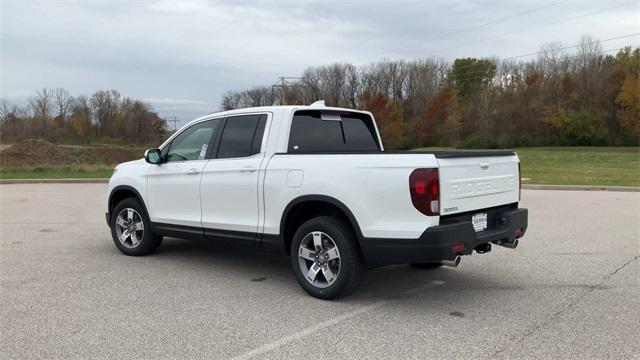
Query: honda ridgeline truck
point(315, 183)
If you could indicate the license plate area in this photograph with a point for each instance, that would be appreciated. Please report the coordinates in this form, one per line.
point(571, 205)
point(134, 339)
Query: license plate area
point(479, 222)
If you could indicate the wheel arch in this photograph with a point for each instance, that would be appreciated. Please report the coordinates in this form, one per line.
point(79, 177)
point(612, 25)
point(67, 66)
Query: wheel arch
point(305, 207)
point(122, 192)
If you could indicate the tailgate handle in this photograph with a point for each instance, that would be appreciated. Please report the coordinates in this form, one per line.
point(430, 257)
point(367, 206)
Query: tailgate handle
point(484, 165)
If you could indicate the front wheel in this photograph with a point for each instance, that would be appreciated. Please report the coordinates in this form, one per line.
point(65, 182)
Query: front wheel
point(325, 258)
point(131, 229)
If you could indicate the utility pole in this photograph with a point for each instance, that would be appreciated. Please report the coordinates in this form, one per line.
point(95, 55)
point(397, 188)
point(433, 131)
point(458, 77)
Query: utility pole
point(284, 83)
point(174, 120)
point(282, 95)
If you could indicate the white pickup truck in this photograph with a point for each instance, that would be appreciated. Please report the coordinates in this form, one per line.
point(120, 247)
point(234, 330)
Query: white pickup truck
point(314, 182)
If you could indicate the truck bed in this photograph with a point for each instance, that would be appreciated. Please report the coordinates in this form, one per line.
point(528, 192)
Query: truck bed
point(438, 154)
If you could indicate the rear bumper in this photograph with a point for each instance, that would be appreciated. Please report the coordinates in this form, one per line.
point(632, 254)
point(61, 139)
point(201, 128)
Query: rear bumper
point(436, 243)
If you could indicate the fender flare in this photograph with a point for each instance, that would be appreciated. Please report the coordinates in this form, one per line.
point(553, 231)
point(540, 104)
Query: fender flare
point(324, 198)
point(128, 188)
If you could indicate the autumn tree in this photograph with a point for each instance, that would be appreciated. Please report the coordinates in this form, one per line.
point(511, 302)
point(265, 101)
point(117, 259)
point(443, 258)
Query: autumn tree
point(63, 101)
point(628, 98)
point(80, 118)
point(56, 115)
point(442, 120)
point(388, 114)
point(587, 97)
point(629, 102)
point(12, 120)
point(41, 105)
point(105, 107)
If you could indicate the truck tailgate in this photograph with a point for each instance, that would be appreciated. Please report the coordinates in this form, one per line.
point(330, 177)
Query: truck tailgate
point(474, 181)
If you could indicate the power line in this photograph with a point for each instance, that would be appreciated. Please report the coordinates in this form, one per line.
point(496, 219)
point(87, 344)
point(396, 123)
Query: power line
point(518, 31)
point(478, 26)
point(570, 56)
point(541, 52)
point(174, 120)
point(283, 84)
point(573, 46)
point(285, 81)
point(536, 27)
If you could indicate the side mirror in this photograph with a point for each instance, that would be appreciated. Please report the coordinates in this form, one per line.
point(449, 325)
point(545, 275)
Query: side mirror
point(152, 156)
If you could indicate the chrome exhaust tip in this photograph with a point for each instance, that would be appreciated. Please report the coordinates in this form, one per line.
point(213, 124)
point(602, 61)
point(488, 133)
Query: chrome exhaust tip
point(510, 245)
point(453, 263)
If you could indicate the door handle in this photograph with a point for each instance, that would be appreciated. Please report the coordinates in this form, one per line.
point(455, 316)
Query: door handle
point(193, 172)
point(248, 168)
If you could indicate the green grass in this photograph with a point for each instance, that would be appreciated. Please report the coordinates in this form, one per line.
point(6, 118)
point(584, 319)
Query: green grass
point(57, 172)
point(606, 166)
point(95, 141)
point(581, 166)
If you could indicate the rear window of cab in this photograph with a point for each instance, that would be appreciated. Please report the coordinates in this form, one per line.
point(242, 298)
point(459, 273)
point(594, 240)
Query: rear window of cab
point(323, 131)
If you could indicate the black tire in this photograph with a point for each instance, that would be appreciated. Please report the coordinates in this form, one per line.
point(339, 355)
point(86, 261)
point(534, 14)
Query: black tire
point(351, 268)
point(431, 265)
point(149, 242)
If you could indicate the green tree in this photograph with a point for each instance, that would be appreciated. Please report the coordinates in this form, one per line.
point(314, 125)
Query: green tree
point(582, 127)
point(469, 75)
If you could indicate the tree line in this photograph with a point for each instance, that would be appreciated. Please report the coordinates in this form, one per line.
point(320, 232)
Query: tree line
point(591, 97)
point(54, 115)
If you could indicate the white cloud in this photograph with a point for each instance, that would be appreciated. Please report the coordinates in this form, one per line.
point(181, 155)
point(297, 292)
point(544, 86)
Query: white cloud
point(173, 6)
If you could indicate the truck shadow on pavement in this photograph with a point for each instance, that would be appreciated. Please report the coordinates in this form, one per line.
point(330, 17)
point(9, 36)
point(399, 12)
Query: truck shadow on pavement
point(259, 268)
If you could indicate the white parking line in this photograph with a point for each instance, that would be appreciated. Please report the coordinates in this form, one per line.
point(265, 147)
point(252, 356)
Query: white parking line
point(334, 321)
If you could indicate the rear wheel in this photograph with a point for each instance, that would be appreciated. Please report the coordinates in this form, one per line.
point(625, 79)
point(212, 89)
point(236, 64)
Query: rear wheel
point(325, 258)
point(431, 265)
point(131, 229)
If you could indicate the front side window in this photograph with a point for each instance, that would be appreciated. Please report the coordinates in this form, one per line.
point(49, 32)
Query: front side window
point(242, 136)
point(193, 143)
point(315, 131)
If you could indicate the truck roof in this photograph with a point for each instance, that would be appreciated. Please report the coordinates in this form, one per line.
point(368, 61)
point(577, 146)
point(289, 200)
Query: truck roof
point(318, 105)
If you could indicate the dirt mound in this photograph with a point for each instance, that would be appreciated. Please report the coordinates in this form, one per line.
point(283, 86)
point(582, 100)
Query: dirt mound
point(36, 152)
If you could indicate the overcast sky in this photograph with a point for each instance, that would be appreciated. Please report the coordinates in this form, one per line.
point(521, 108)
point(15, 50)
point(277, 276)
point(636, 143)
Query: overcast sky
point(181, 56)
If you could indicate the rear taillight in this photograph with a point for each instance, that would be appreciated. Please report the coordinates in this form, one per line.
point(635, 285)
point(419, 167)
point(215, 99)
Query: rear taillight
point(424, 186)
point(519, 183)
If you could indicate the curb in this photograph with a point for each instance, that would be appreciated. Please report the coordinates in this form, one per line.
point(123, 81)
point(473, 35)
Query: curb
point(54, 181)
point(524, 186)
point(581, 187)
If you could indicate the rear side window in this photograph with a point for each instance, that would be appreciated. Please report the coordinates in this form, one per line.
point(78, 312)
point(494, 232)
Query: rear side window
point(242, 136)
point(333, 132)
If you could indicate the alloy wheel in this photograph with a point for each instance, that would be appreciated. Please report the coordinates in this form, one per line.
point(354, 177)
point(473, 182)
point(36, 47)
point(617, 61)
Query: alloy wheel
point(129, 228)
point(319, 259)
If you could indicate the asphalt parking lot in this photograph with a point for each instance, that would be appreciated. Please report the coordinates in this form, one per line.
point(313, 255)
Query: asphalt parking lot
point(571, 290)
